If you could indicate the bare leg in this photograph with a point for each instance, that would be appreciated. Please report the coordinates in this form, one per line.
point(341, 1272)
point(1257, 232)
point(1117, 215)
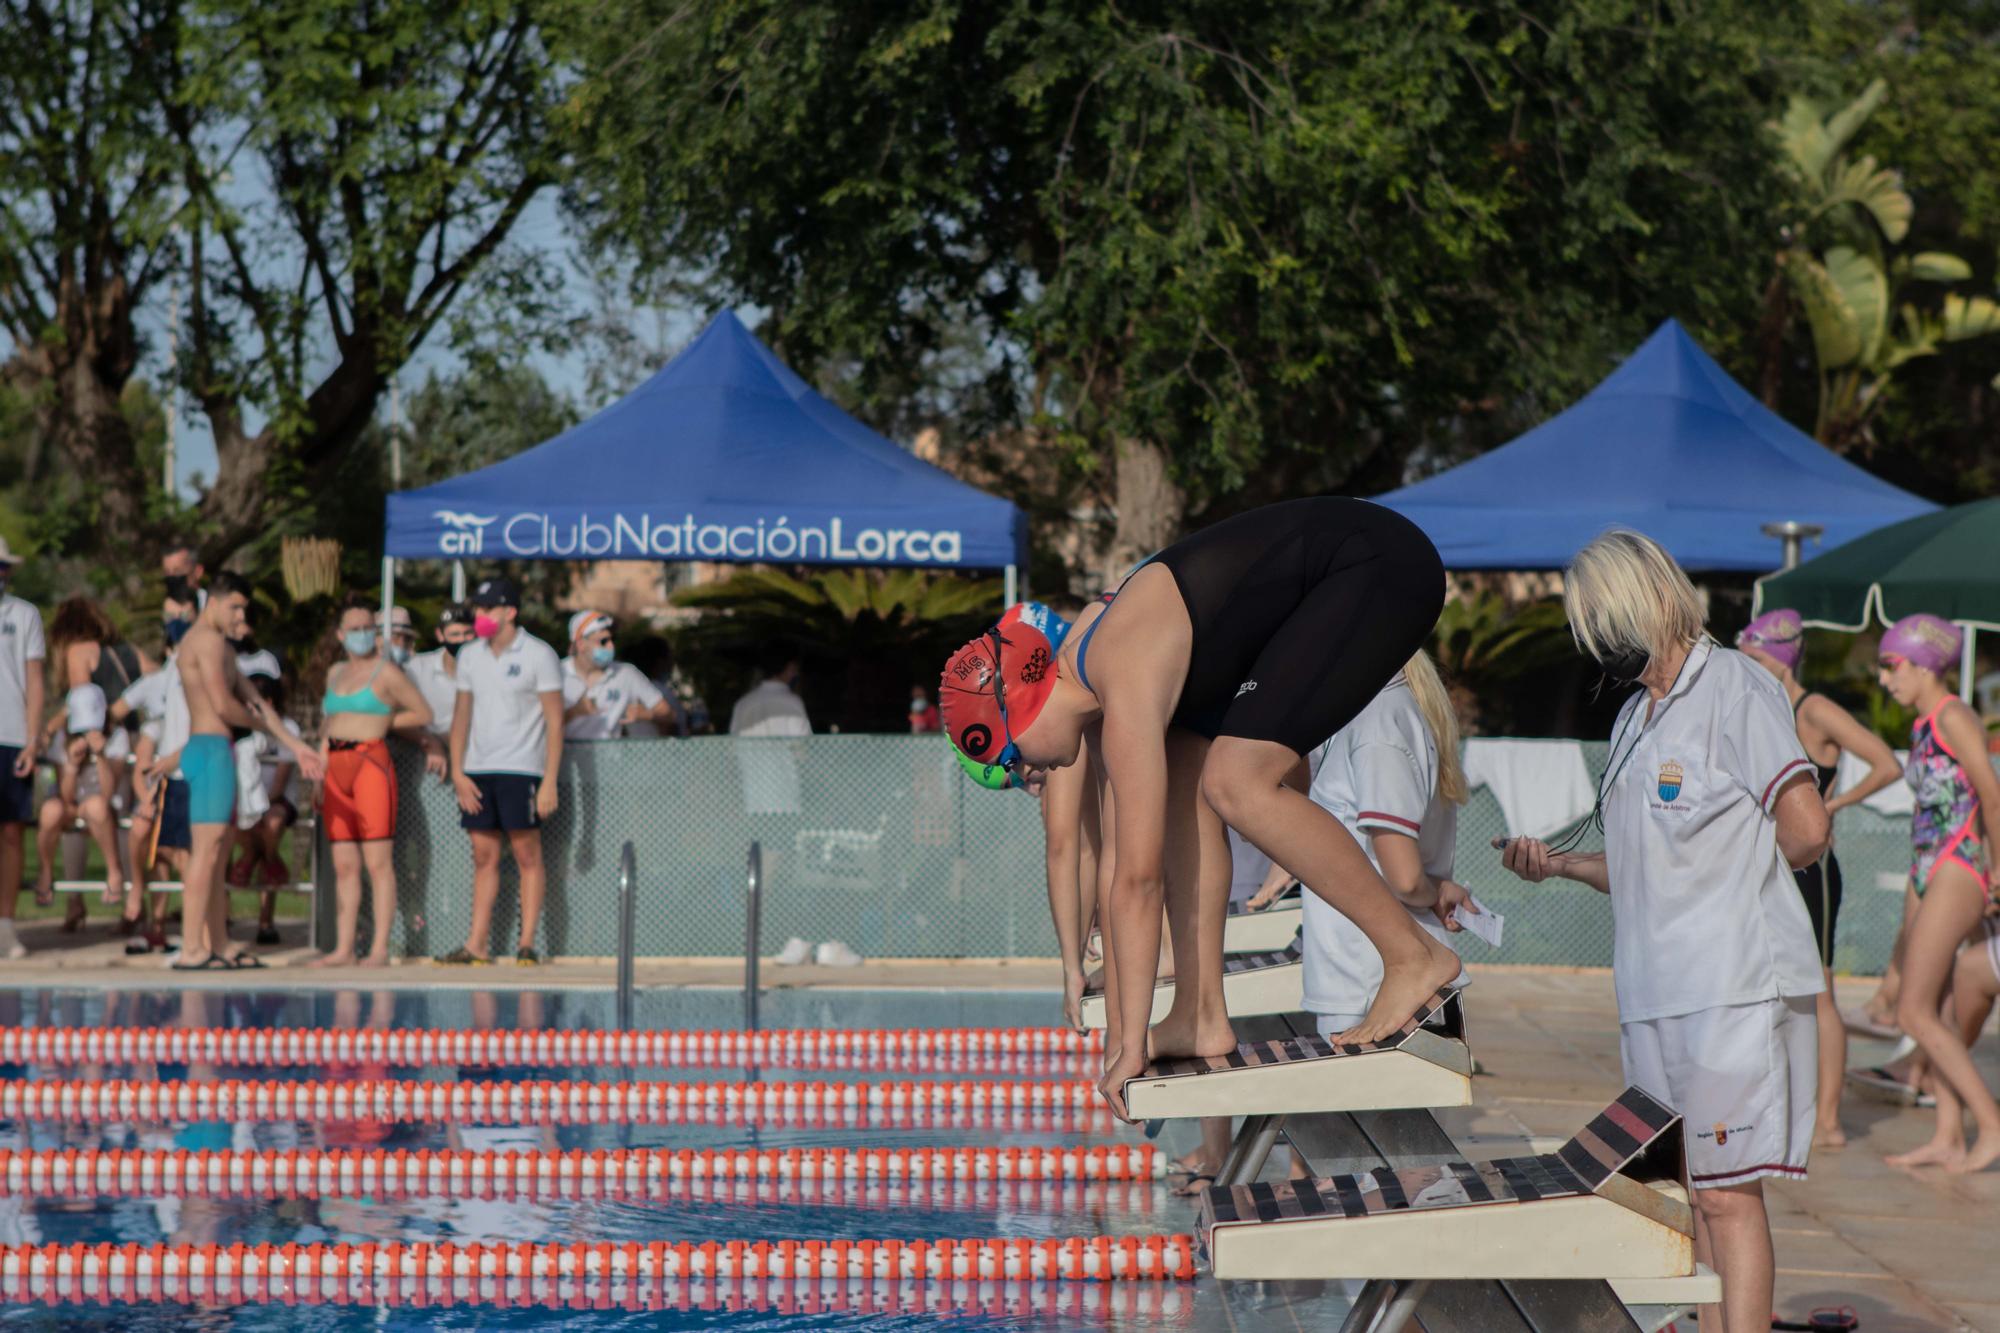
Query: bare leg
point(1067, 792)
point(1881, 1007)
point(96, 811)
point(1827, 1132)
point(527, 847)
point(1245, 782)
point(485, 890)
point(347, 903)
point(202, 936)
point(1951, 907)
point(1739, 1249)
point(1205, 1161)
point(379, 856)
point(51, 819)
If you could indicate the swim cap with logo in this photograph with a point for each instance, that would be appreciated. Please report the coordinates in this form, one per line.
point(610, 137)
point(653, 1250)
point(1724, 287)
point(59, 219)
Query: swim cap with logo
point(968, 697)
point(1924, 640)
point(1037, 616)
point(1779, 634)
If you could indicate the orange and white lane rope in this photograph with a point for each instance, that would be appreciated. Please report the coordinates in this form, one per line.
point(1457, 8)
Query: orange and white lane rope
point(580, 1276)
point(617, 1173)
point(888, 1049)
point(960, 1104)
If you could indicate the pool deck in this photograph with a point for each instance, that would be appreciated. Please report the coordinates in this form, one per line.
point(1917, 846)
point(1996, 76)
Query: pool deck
point(1908, 1250)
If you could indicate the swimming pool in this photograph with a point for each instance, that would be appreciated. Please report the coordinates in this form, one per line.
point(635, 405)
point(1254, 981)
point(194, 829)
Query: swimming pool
point(718, 1210)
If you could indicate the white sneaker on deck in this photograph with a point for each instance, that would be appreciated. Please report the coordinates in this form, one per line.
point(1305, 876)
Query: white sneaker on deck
point(835, 954)
point(10, 943)
point(796, 951)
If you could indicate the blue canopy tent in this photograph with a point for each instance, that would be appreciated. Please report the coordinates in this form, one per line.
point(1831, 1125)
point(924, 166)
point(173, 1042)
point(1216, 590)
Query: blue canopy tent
point(1667, 444)
point(724, 455)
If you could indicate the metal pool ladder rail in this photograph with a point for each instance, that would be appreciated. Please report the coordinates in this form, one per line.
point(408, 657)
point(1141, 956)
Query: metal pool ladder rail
point(752, 930)
point(628, 894)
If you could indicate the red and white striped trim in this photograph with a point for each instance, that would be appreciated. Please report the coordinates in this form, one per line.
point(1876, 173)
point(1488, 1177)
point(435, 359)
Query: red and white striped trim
point(583, 1275)
point(636, 1173)
point(960, 1104)
point(898, 1049)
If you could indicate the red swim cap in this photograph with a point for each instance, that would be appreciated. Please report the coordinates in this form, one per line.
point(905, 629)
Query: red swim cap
point(970, 703)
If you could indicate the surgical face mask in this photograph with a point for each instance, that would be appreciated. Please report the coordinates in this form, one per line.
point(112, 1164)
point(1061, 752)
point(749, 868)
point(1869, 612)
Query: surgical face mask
point(360, 642)
point(604, 656)
point(175, 630)
point(918, 703)
point(398, 654)
point(484, 626)
point(1624, 665)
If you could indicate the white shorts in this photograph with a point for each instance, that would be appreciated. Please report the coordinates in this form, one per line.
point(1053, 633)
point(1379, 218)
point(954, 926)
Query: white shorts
point(1744, 1078)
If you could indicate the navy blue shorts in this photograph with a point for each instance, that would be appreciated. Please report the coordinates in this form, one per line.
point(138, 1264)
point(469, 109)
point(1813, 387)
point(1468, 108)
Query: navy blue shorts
point(176, 833)
point(506, 802)
point(17, 795)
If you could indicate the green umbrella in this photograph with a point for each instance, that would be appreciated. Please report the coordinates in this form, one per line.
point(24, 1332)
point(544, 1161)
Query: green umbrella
point(1941, 562)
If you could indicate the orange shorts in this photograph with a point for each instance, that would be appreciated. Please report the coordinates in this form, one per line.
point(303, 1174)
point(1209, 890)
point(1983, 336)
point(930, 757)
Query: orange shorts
point(358, 799)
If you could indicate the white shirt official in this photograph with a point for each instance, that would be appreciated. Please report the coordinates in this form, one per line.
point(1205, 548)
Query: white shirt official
point(1704, 910)
point(1379, 773)
point(509, 733)
point(615, 690)
point(439, 688)
point(21, 643)
point(771, 709)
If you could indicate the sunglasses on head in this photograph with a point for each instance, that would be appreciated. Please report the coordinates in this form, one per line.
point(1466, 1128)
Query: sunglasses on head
point(1009, 757)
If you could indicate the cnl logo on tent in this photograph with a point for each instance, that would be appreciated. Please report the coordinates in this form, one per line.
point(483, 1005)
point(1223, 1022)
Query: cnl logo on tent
point(465, 534)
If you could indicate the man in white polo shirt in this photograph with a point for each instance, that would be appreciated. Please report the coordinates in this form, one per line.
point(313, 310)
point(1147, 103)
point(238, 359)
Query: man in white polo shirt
point(602, 695)
point(1706, 802)
point(21, 696)
point(506, 750)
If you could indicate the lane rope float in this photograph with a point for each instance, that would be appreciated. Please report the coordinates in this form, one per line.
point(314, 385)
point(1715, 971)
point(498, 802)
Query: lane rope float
point(958, 1104)
point(630, 1173)
point(889, 1049)
point(580, 1275)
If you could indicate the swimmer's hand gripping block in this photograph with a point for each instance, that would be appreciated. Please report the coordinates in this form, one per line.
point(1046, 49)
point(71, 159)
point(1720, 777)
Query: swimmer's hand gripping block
point(1608, 1204)
point(1252, 984)
point(1420, 1066)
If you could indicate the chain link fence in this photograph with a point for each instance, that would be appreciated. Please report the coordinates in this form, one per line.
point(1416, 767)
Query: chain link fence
point(881, 842)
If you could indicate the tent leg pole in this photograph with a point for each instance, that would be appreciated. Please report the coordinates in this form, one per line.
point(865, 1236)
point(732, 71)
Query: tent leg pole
point(1968, 662)
point(388, 588)
point(458, 580)
point(1007, 586)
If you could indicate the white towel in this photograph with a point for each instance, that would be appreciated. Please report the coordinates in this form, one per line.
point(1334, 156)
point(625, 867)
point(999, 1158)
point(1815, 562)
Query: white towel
point(1542, 786)
point(251, 798)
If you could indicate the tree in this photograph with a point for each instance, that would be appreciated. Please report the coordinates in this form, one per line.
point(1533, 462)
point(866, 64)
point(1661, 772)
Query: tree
point(1213, 251)
point(865, 636)
point(324, 181)
point(1856, 294)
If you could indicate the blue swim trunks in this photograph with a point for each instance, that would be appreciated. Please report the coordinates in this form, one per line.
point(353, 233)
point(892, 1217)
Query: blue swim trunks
point(210, 769)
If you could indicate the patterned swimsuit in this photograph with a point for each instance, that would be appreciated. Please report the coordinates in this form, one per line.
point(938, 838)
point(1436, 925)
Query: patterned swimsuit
point(1945, 824)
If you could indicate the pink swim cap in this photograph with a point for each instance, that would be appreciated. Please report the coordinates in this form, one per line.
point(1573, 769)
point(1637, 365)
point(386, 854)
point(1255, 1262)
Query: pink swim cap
point(1779, 634)
point(1924, 640)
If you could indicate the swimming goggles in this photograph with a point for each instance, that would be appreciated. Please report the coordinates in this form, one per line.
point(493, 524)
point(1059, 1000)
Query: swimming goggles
point(1009, 757)
point(1890, 661)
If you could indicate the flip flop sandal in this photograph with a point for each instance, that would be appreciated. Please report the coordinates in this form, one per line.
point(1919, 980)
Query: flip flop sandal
point(215, 962)
point(462, 957)
point(1193, 1186)
point(246, 962)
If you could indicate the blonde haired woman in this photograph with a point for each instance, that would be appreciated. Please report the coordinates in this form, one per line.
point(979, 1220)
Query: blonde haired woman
point(1707, 798)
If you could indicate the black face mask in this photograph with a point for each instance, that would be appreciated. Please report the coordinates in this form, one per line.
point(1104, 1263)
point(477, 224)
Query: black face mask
point(1624, 665)
point(453, 648)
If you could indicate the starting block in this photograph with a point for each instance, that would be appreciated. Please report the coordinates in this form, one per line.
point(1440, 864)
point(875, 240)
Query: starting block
point(1608, 1204)
point(1252, 984)
point(1427, 1064)
point(1261, 932)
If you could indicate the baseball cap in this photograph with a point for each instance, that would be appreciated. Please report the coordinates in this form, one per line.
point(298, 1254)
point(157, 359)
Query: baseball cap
point(1014, 663)
point(496, 591)
point(455, 613)
point(587, 622)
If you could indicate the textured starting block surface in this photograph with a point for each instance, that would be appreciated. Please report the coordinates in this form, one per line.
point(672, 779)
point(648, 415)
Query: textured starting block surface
point(1252, 983)
point(1600, 1207)
point(1260, 932)
point(1421, 1066)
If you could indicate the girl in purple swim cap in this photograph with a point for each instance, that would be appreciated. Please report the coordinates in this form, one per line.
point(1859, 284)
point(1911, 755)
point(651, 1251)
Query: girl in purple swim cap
point(1953, 830)
point(1776, 642)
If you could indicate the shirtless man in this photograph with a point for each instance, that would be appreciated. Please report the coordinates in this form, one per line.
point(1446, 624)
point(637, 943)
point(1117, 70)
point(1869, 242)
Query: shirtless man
point(218, 698)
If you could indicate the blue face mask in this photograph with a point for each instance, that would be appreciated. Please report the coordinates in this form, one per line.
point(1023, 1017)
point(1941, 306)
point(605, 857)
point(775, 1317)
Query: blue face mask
point(175, 630)
point(604, 656)
point(360, 642)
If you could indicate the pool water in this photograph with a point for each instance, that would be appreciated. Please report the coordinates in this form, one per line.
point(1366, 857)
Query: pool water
point(735, 1210)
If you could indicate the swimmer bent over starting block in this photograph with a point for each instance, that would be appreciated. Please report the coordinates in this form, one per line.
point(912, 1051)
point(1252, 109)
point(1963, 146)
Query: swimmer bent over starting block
point(1219, 664)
